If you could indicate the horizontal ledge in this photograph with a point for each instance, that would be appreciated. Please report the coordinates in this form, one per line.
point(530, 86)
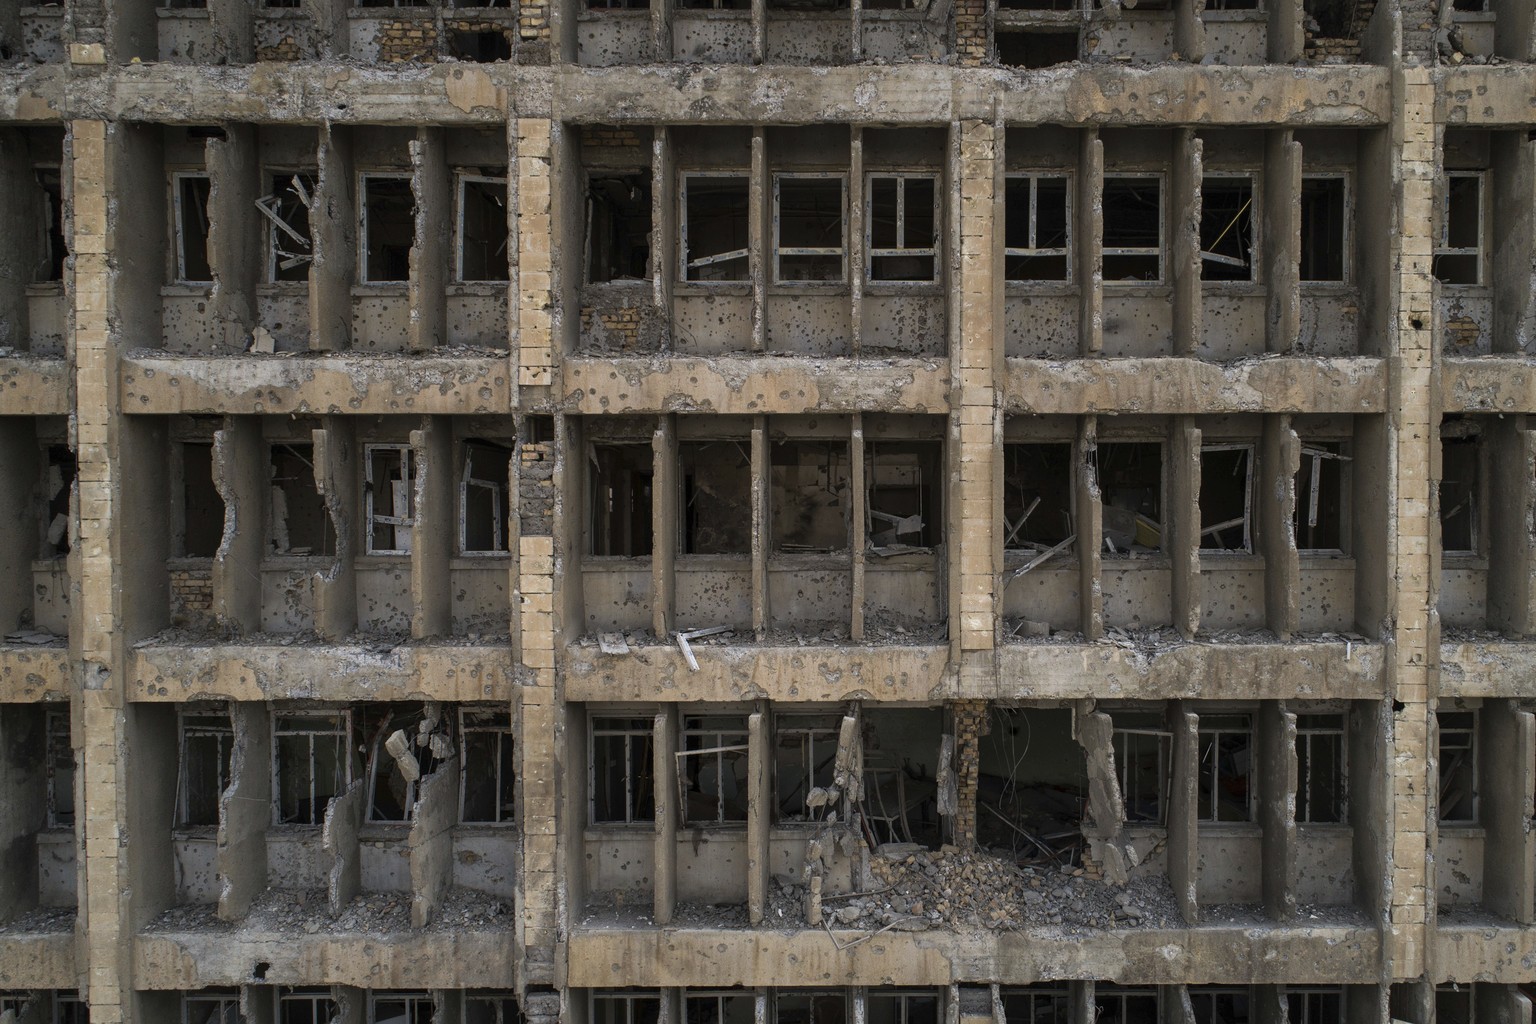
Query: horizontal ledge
point(1505, 383)
point(31, 674)
point(1490, 668)
point(1485, 94)
point(34, 386)
point(42, 959)
point(1490, 950)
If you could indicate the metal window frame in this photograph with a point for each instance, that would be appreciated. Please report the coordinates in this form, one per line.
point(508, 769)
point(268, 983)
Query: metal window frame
point(1103, 995)
point(46, 212)
point(1307, 1015)
point(832, 733)
point(503, 735)
point(683, 251)
point(184, 731)
point(61, 1000)
point(461, 181)
point(1162, 230)
point(496, 1001)
point(1011, 530)
point(1035, 993)
point(412, 998)
point(311, 177)
point(52, 733)
point(311, 996)
point(1306, 735)
point(718, 743)
point(1250, 449)
point(1474, 504)
point(408, 477)
point(625, 996)
point(1316, 452)
point(1347, 228)
point(1254, 210)
point(223, 1000)
point(903, 997)
point(343, 728)
point(1212, 993)
point(1216, 733)
point(779, 177)
point(1441, 248)
point(179, 225)
point(1065, 250)
point(902, 249)
point(363, 178)
point(1161, 443)
point(1471, 734)
point(593, 733)
point(1164, 738)
point(852, 1002)
point(499, 489)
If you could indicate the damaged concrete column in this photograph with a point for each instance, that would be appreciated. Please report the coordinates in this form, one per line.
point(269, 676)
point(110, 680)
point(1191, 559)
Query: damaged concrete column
point(1512, 510)
point(759, 811)
point(1276, 771)
point(972, 721)
point(234, 31)
point(1279, 462)
point(329, 18)
point(1507, 752)
point(447, 1004)
point(333, 236)
point(431, 256)
point(1174, 1005)
point(430, 842)
point(1184, 248)
point(1285, 36)
point(664, 784)
point(530, 201)
point(856, 256)
point(1281, 230)
point(1104, 824)
point(1189, 30)
point(661, 33)
point(435, 529)
point(1505, 1004)
point(1183, 810)
point(759, 237)
point(665, 514)
point(19, 458)
point(336, 478)
point(339, 840)
point(256, 1005)
point(20, 203)
point(762, 476)
point(1370, 805)
point(858, 529)
point(1512, 229)
point(1269, 1005)
point(1089, 211)
point(1084, 1007)
point(240, 473)
point(1181, 523)
point(1089, 523)
point(245, 811)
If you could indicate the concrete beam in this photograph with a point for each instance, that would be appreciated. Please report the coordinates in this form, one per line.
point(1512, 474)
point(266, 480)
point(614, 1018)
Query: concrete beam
point(33, 386)
point(44, 959)
point(241, 468)
point(245, 811)
point(436, 530)
point(336, 478)
point(430, 841)
point(1486, 95)
point(33, 94)
point(32, 674)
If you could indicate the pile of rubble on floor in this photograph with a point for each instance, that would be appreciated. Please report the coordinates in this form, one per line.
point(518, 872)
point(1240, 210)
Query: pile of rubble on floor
point(291, 911)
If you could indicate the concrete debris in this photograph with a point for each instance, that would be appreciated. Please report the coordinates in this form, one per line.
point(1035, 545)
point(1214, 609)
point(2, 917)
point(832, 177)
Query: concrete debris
point(35, 638)
point(262, 342)
point(612, 643)
point(303, 911)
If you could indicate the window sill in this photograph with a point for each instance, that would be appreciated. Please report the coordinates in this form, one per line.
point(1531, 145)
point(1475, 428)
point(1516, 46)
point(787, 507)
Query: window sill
point(1463, 562)
point(711, 288)
point(384, 831)
point(384, 560)
point(1323, 559)
point(712, 828)
point(903, 289)
point(182, 13)
point(281, 13)
point(293, 830)
point(1032, 289)
point(1148, 561)
point(1474, 17)
point(795, 289)
point(408, 11)
point(478, 289)
point(189, 562)
point(195, 833)
point(283, 288)
point(1318, 289)
point(1236, 289)
point(381, 290)
point(188, 290)
point(482, 829)
point(710, 14)
point(1137, 289)
point(1230, 829)
point(608, 563)
point(610, 832)
point(1234, 16)
point(1462, 830)
point(1471, 291)
point(1211, 558)
point(1326, 827)
point(46, 290)
point(625, 13)
point(805, 561)
point(282, 563)
point(480, 560)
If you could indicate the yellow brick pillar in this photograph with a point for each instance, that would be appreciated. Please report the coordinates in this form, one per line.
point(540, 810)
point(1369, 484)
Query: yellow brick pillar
point(533, 295)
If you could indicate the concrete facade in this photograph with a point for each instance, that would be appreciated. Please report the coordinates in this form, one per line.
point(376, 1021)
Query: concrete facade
point(791, 512)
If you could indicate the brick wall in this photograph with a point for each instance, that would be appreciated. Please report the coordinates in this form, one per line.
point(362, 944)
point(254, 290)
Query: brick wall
point(192, 599)
point(536, 489)
point(971, 724)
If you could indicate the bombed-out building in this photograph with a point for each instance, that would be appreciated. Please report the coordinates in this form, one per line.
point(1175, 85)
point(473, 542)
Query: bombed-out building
point(767, 511)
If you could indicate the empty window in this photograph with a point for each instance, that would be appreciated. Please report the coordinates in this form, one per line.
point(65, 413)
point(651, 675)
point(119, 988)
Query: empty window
point(625, 1008)
point(190, 195)
point(408, 744)
point(714, 234)
point(202, 508)
point(1324, 230)
point(901, 1008)
point(1037, 495)
point(903, 227)
point(1130, 475)
point(483, 46)
point(616, 5)
point(207, 741)
point(1322, 774)
point(809, 497)
point(1133, 228)
point(1458, 767)
point(804, 752)
point(716, 484)
point(483, 254)
point(714, 772)
point(314, 764)
point(282, 3)
point(619, 483)
point(1228, 1007)
point(1320, 481)
point(1226, 497)
point(50, 266)
point(1143, 758)
point(1125, 1006)
point(1459, 457)
point(286, 209)
point(1226, 229)
point(58, 485)
point(1454, 1004)
point(808, 227)
point(299, 522)
point(1037, 227)
point(717, 1008)
point(68, 1008)
point(621, 770)
point(1040, 48)
point(1224, 789)
point(1315, 1006)
point(483, 508)
point(392, 3)
point(487, 765)
point(388, 227)
point(619, 227)
point(904, 484)
point(399, 1008)
point(1459, 248)
point(60, 754)
point(211, 1008)
point(497, 1009)
point(390, 500)
point(810, 1008)
point(305, 1007)
point(1037, 1005)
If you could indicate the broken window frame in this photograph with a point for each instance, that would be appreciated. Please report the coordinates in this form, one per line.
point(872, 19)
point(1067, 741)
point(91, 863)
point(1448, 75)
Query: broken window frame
point(225, 1007)
point(1345, 237)
point(194, 723)
point(1310, 487)
point(483, 721)
point(814, 729)
point(641, 729)
point(1311, 731)
point(932, 252)
point(1034, 249)
point(1250, 210)
point(503, 1007)
point(840, 251)
point(686, 263)
point(1204, 997)
point(1153, 251)
point(183, 452)
point(1048, 1002)
point(53, 242)
point(688, 493)
point(304, 452)
point(627, 1000)
point(341, 726)
point(1461, 730)
point(54, 524)
point(1104, 994)
point(930, 521)
point(1213, 727)
point(596, 231)
point(419, 1006)
point(1246, 545)
point(372, 519)
point(1130, 794)
point(713, 738)
point(501, 510)
point(322, 1005)
point(1302, 1005)
point(363, 179)
point(904, 998)
point(1013, 479)
point(810, 996)
point(272, 209)
point(1472, 507)
point(1096, 460)
point(462, 181)
point(839, 454)
point(179, 217)
point(62, 767)
point(597, 514)
point(719, 997)
point(1442, 245)
point(384, 720)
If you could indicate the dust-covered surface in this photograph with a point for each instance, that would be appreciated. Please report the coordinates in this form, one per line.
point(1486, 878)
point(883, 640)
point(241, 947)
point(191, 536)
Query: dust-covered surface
point(377, 642)
point(39, 921)
point(304, 911)
point(1155, 639)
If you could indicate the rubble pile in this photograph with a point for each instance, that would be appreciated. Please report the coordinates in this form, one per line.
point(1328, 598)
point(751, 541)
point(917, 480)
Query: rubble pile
point(291, 911)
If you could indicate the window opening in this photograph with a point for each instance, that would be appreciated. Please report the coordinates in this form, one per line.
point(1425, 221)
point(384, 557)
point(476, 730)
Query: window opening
point(211, 1008)
point(295, 1007)
point(191, 209)
point(715, 230)
point(715, 5)
point(902, 227)
point(905, 496)
point(625, 1008)
point(1037, 495)
point(622, 783)
point(1038, 48)
point(1458, 495)
point(619, 227)
point(58, 485)
point(1225, 790)
point(483, 508)
point(51, 224)
point(1226, 497)
point(492, 1010)
point(809, 500)
point(901, 1008)
point(808, 233)
point(1130, 475)
point(804, 752)
point(1333, 17)
point(1037, 1006)
point(1458, 767)
point(810, 1008)
point(718, 1008)
point(391, 498)
point(392, 3)
point(1322, 768)
point(1454, 1004)
point(1459, 249)
point(620, 487)
point(487, 766)
point(485, 46)
point(1126, 1006)
point(1037, 227)
point(202, 507)
point(716, 485)
point(1226, 229)
point(1143, 758)
point(61, 769)
point(207, 744)
point(400, 1008)
point(68, 1008)
point(618, 5)
point(483, 234)
point(388, 229)
point(286, 209)
point(1319, 517)
point(299, 523)
point(1324, 228)
point(405, 745)
point(1133, 228)
point(283, 3)
point(1229, 1007)
point(1320, 1006)
point(713, 773)
point(314, 764)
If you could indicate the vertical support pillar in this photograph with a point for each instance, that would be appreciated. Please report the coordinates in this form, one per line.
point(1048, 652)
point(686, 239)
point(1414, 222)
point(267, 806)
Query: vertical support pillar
point(1089, 516)
point(1512, 506)
point(336, 478)
point(1181, 523)
point(256, 1005)
point(436, 530)
point(431, 258)
point(1280, 243)
point(759, 31)
point(1175, 1005)
point(1269, 1005)
point(762, 475)
point(333, 232)
point(234, 235)
point(1279, 462)
point(245, 811)
point(1183, 811)
point(1184, 250)
point(664, 228)
point(1276, 772)
point(1089, 214)
point(661, 31)
point(759, 236)
point(668, 814)
point(759, 811)
point(1285, 40)
point(234, 30)
point(971, 718)
point(532, 224)
point(858, 529)
point(1189, 30)
point(857, 231)
point(447, 1004)
point(664, 525)
point(240, 472)
point(329, 17)
point(1084, 1008)
point(430, 842)
point(1507, 752)
point(340, 841)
